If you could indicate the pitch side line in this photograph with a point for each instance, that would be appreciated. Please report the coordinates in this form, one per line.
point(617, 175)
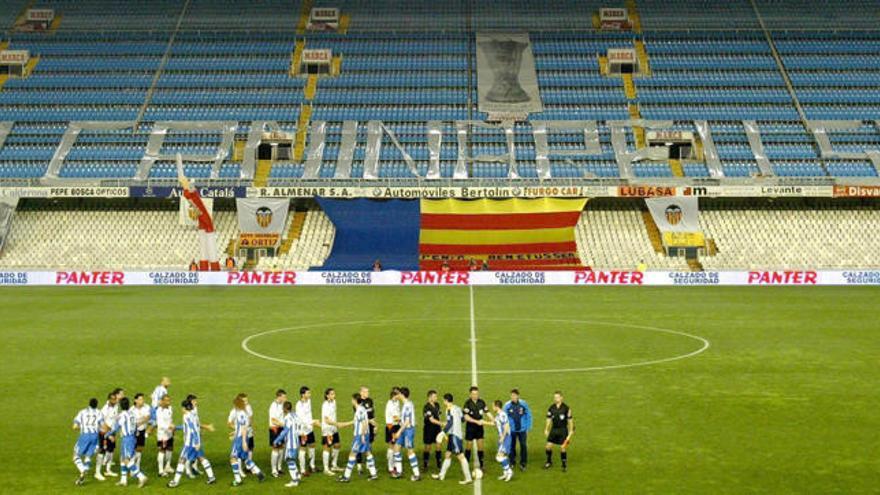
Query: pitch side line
point(245, 345)
point(473, 339)
point(478, 484)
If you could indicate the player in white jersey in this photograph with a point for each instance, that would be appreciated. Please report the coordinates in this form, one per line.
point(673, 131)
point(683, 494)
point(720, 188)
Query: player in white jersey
point(250, 428)
point(392, 426)
point(143, 415)
point(88, 421)
point(192, 443)
point(288, 439)
point(276, 424)
point(329, 433)
point(405, 438)
point(361, 443)
point(307, 434)
point(240, 452)
point(107, 442)
point(160, 391)
point(502, 424)
point(164, 435)
point(453, 430)
point(127, 426)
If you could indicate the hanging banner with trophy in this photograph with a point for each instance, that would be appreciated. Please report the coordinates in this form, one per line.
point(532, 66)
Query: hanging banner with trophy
point(678, 219)
point(189, 216)
point(261, 221)
point(507, 83)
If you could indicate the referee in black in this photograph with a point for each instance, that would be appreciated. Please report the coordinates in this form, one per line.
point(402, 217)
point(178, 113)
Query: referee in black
point(474, 409)
point(559, 429)
point(432, 427)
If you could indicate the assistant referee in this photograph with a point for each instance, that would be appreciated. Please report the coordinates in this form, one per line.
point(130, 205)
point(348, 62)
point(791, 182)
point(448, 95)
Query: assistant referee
point(559, 429)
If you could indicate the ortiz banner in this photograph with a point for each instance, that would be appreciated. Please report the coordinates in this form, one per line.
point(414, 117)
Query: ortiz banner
point(506, 78)
point(189, 216)
point(261, 221)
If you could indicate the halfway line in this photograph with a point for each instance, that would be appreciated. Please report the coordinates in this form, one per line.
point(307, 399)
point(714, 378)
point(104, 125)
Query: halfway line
point(478, 484)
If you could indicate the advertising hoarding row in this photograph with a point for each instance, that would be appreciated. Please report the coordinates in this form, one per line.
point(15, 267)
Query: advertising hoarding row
point(446, 192)
point(429, 278)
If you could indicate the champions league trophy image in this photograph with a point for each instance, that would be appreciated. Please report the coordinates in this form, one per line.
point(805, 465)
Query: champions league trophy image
point(504, 58)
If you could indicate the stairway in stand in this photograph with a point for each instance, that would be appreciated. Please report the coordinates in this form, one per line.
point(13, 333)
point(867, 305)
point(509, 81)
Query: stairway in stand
point(293, 232)
point(653, 232)
point(677, 169)
point(261, 176)
point(695, 265)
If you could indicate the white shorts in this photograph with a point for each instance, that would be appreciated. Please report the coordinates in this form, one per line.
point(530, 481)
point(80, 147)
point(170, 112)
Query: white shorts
point(208, 245)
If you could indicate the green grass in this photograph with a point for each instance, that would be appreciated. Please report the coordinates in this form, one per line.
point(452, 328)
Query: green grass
point(784, 401)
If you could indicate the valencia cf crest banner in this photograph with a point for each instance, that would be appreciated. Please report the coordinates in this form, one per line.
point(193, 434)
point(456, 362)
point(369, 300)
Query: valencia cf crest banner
point(675, 214)
point(262, 215)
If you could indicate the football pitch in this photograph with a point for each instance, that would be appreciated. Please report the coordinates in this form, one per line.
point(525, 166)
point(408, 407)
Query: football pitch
point(673, 390)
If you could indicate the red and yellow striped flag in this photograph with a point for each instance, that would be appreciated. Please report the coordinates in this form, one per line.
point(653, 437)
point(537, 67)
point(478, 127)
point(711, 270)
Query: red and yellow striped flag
point(510, 234)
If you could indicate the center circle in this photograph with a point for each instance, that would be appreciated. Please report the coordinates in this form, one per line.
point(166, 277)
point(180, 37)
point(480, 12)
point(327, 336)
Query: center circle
point(635, 342)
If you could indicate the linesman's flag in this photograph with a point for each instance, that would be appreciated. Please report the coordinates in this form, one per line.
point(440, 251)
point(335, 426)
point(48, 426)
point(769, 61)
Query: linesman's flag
point(509, 234)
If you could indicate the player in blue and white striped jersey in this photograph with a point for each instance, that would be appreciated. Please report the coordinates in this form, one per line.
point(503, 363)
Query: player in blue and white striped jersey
point(454, 430)
point(192, 444)
point(405, 437)
point(502, 424)
point(88, 421)
point(240, 423)
point(361, 443)
point(288, 437)
point(127, 427)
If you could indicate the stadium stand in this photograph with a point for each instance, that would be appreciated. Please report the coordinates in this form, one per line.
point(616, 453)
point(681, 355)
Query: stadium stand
point(791, 234)
point(611, 234)
point(144, 235)
point(98, 236)
point(228, 61)
point(745, 67)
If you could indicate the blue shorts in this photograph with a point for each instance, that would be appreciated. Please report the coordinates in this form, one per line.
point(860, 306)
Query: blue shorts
point(86, 444)
point(292, 453)
point(504, 447)
point(129, 447)
point(238, 451)
point(407, 438)
point(360, 447)
point(191, 454)
point(454, 445)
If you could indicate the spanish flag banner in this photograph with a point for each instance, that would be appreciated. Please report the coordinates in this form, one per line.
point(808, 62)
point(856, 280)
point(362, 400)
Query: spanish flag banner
point(507, 234)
